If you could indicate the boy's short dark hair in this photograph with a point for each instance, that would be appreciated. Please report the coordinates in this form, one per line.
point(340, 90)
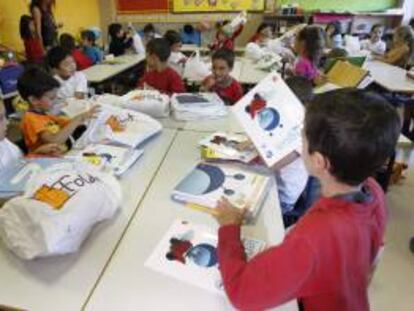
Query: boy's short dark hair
point(114, 29)
point(160, 48)
point(67, 41)
point(24, 26)
point(35, 82)
point(88, 35)
point(302, 87)
point(188, 29)
point(356, 130)
point(149, 28)
point(225, 54)
point(172, 37)
point(56, 55)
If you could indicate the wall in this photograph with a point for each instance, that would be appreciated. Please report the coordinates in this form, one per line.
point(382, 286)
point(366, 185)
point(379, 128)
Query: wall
point(349, 5)
point(74, 14)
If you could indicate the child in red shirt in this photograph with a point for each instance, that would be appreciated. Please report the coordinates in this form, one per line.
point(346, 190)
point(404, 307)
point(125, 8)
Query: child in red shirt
point(263, 34)
point(67, 42)
point(221, 82)
point(326, 260)
point(32, 43)
point(39, 126)
point(159, 75)
point(223, 39)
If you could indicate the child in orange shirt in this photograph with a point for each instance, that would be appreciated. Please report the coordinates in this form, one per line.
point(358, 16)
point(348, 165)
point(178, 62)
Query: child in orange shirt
point(221, 82)
point(38, 125)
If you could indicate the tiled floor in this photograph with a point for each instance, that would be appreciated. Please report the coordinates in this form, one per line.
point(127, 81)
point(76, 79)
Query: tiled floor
point(393, 285)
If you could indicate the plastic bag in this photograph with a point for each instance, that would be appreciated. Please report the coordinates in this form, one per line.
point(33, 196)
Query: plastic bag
point(195, 69)
point(58, 210)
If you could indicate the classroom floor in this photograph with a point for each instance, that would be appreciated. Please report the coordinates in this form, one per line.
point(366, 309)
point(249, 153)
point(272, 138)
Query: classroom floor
point(393, 285)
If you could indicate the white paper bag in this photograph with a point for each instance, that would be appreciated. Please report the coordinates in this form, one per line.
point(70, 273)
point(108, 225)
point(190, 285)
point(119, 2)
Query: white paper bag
point(195, 69)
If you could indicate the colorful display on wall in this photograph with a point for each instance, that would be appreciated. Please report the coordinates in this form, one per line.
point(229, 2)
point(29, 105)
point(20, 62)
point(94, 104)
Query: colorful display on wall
point(181, 6)
point(142, 6)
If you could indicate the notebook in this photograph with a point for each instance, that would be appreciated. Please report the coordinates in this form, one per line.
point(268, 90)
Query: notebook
point(207, 183)
point(198, 106)
point(188, 253)
point(358, 61)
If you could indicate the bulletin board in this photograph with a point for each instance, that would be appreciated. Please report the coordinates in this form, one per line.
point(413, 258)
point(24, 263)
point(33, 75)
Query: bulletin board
point(142, 6)
point(342, 5)
point(185, 6)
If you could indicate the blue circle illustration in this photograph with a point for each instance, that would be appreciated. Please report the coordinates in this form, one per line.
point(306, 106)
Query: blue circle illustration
point(269, 119)
point(203, 255)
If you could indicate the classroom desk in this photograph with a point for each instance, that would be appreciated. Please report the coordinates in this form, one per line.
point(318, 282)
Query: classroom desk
point(392, 78)
point(127, 284)
point(191, 48)
point(64, 282)
point(103, 72)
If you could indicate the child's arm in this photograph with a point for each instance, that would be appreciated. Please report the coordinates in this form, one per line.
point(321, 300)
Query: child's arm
point(272, 277)
point(63, 135)
point(393, 56)
point(285, 161)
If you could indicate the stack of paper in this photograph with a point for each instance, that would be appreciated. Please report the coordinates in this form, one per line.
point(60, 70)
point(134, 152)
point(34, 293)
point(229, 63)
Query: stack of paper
point(117, 159)
point(207, 183)
point(200, 106)
point(188, 252)
point(228, 147)
point(150, 102)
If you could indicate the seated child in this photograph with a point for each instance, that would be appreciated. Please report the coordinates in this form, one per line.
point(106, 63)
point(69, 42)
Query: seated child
point(120, 40)
point(225, 40)
point(40, 127)
point(403, 47)
point(375, 43)
point(148, 33)
point(159, 75)
point(221, 82)
point(10, 153)
point(89, 47)
point(72, 83)
point(137, 44)
point(32, 43)
point(189, 35)
point(263, 34)
point(334, 35)
point(67, 41)
point(309, 47)
point(177, 59)
point(291, 173)
point(325, 261)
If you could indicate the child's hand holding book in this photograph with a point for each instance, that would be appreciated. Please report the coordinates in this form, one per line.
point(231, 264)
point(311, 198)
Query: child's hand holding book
point(226, 214)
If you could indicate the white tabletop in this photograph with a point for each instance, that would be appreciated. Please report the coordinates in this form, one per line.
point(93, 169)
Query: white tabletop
point(64, 283)
point(189, 48)
point(392, 78)
point(101, 72)
point(225, 124)
point(250, 74)
point(127, 285)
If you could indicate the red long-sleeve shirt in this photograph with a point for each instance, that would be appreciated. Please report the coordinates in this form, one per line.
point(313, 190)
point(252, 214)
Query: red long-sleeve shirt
point(230, 94)
point(324, 261)
point(228, 42)
point(168, 81)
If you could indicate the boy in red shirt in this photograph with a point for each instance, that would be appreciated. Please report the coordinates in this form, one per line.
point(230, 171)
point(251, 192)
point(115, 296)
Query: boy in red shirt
point(159, 75)
point(221, 82)
point(325, 261)
point(67, 41)
point(223, 39)
point(39, 126)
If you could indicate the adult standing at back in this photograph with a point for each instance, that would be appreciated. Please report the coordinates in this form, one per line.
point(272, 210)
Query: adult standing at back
point(45, 24)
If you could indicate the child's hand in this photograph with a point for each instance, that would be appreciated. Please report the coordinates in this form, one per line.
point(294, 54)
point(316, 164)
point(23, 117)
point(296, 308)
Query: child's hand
point(209, 83)
point(227, 214)
point(83, 117)
point(51, 150)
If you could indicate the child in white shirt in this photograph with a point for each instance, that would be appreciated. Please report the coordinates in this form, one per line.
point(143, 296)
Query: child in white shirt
point(73, 84)
point(374, 43)
point(177, 59)
point(291, 173)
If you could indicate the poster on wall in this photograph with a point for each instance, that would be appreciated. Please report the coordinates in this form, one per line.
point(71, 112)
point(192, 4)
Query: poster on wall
point(142, 6)
point(184, 6)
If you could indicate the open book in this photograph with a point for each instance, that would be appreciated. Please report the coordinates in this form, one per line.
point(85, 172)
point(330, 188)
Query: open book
point(272, 116)
point(207, 183)
point(228, 147)
point(345, 74)
point(117, 159)
point(188, 252)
